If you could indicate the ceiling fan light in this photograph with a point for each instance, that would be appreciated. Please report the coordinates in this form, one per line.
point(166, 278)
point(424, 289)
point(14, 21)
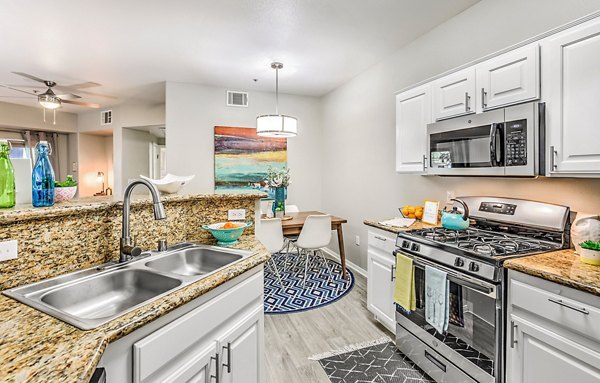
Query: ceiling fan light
point(49, 101)
point(276, 125)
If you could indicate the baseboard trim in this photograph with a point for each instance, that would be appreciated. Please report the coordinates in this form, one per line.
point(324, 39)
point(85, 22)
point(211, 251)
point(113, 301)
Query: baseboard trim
point(355, 268)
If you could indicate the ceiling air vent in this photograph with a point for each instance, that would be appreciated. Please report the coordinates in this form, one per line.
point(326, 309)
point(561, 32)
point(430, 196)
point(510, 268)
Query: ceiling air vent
point(237, 98)
point(106, 117)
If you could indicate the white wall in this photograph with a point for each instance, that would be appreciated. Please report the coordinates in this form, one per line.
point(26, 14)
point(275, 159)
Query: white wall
point(192, 112)
point(359, 180)
point(136, 156)
point(93, 158)
point(21, 116)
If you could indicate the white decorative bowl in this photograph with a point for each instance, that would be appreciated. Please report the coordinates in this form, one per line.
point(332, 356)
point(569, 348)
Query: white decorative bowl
point(586, 227)
point(64, 193)
point(170, 183)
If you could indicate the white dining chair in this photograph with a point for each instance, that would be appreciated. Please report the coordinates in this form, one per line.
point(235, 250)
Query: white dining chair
point(292, 209)
point(270, 234)
point(290, 239)
point(315, 235)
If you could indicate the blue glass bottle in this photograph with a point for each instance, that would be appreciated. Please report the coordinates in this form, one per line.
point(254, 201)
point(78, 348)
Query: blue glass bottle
point(42, 178)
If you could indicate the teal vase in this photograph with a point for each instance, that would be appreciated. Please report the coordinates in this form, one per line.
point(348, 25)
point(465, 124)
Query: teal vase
point(279, 203)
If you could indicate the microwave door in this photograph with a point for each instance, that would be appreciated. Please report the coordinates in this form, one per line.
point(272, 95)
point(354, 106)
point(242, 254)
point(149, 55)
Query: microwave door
point(468, 151)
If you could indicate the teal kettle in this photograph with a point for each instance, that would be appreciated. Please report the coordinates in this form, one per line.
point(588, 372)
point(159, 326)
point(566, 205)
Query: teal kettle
point(453, 219)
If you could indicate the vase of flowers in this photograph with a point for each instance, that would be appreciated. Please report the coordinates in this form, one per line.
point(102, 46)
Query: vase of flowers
point(278, 180)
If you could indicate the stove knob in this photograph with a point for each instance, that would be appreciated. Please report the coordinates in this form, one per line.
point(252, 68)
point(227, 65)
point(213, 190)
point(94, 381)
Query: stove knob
point(414, 247)
point(459, 262)
point(405, 244)
point(473, 267)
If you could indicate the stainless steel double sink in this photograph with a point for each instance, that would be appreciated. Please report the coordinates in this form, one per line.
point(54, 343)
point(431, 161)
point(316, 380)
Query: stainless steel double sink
point(89, 298)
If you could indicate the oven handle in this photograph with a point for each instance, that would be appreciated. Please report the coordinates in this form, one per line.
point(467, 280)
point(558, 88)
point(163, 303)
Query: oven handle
point(458, 278)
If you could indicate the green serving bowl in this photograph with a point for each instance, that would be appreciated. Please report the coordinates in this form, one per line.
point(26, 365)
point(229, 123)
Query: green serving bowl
point(226, 237)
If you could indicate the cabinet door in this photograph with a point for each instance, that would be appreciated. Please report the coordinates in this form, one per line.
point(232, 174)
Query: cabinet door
point(242, 350)
point(413, 113)
point(195, 366)
point(571, 90)
point(510, 78)
point(454, 95)
point(380, 287)
point(536, 354)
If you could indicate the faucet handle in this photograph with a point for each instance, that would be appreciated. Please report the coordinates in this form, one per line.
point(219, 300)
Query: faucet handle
point(162, 245)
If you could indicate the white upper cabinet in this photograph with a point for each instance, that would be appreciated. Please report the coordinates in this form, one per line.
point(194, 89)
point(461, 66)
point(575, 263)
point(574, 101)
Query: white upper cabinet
point(571, 90)
point(454, 94)
point(510, 78)
point(413, 113)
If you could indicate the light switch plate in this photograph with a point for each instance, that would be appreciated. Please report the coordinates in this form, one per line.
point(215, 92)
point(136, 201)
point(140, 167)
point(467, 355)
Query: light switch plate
point(236, 214)
point(8, 250)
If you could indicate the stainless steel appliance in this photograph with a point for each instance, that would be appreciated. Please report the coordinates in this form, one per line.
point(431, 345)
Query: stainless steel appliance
point(501, 142)
point(471, 350)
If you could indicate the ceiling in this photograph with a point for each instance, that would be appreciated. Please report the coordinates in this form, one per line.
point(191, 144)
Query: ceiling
point(132, 47)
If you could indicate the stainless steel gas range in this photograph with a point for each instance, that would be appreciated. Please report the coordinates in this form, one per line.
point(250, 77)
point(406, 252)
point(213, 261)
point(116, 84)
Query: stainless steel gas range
point(472, 349)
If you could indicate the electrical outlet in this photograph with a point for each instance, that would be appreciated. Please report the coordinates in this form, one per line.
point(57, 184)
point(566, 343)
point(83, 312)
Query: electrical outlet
point(74, 167)
point(236, 214)
point(357, 240)
point(8, 250)
point(449, 196)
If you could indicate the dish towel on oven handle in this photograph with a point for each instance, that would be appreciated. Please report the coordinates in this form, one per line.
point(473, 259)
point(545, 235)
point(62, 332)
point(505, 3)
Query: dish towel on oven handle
point(404, 290)
point(436, 298)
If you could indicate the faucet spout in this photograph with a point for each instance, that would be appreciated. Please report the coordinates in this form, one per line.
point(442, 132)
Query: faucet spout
point(127, 247)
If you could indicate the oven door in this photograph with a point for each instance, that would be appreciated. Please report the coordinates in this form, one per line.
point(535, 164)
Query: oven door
point(472, 145)
point(473, 342)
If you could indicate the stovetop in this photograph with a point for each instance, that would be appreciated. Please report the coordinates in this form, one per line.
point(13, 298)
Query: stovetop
point(484, 243)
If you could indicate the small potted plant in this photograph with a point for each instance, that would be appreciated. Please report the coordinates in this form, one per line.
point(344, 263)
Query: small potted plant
point(65, 190)
point(590, 252)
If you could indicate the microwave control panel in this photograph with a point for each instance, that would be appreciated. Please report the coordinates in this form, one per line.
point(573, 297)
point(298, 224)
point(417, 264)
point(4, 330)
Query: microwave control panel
point(516, 143)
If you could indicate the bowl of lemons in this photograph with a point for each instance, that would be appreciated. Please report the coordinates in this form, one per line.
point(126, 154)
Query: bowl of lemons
point(409, 211)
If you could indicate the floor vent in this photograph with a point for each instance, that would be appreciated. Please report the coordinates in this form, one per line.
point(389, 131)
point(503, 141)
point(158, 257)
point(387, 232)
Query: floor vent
point(106, 117)
point(237, 98)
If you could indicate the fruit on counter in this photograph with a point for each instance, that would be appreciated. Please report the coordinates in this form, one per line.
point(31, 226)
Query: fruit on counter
point(230, 225)
point(409, 211)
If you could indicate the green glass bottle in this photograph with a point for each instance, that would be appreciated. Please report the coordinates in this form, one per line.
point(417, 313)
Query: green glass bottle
point(7, 177)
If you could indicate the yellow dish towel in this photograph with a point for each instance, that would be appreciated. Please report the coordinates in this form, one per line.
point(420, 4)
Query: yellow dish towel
point(404, 291)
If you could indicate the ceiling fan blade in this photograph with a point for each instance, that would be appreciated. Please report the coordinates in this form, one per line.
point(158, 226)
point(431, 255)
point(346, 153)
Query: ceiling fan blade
point(83, 85)
point(31, 77)
point(96, 94)
point(81, 103)
point(29, 98)
point(68, 96)
point(18, 90)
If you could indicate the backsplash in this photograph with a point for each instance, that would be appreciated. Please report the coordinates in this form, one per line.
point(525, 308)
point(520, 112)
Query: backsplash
point(74, 236)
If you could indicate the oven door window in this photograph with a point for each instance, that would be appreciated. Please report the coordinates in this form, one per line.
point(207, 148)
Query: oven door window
point(472, 325)
point(463, 148)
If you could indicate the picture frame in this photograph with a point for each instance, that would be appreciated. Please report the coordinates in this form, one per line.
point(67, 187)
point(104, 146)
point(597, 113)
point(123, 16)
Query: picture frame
point(431, 212)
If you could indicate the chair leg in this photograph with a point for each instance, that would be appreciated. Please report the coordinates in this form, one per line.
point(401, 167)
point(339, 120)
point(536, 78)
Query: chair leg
point(273, 266)
point(305, 269)
point(326, 263)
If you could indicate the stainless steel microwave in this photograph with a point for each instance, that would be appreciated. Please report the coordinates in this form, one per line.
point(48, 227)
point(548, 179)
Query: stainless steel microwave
point(502, 142)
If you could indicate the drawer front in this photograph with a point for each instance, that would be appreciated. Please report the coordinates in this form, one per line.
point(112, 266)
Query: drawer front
point(160, 348)
point(569, 313)
point(384, 242)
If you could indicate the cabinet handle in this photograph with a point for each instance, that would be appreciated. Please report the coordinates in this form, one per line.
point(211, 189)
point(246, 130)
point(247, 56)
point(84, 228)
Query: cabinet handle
point(513, 338)
point(435, 361)
point(569, 306)
point(553, 153)
point(483, 97)
point(467, 102)
point(392, 273)
point(424, 162)
point(217, 375)
point(228, 364)
point(380, 238)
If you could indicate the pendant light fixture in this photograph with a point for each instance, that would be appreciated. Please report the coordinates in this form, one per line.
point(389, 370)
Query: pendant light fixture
point(276, 125)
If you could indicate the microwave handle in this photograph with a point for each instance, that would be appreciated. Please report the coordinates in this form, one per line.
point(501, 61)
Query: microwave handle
point(495, 160)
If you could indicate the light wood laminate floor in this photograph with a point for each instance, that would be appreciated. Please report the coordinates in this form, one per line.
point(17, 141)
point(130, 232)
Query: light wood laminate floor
point(290, 339)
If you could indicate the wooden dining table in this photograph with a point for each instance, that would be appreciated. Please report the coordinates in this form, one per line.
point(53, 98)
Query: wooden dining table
point(294, 227)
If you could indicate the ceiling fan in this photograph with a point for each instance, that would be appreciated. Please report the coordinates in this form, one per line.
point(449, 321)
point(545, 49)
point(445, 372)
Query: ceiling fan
point(51, 100)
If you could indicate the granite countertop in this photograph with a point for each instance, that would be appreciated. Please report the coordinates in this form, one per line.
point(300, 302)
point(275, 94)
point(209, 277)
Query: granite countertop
point(562, 267)
point(35, 347)
point(87, 204)
point(394, 229)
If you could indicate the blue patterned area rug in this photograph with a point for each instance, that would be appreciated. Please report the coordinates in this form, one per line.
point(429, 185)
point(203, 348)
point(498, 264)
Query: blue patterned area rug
point(378, 361)
point(320, 288)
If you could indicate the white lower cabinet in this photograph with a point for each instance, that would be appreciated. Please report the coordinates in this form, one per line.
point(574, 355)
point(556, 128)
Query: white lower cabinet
point(381, 278)
point(552, 333)
point(217, 338)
